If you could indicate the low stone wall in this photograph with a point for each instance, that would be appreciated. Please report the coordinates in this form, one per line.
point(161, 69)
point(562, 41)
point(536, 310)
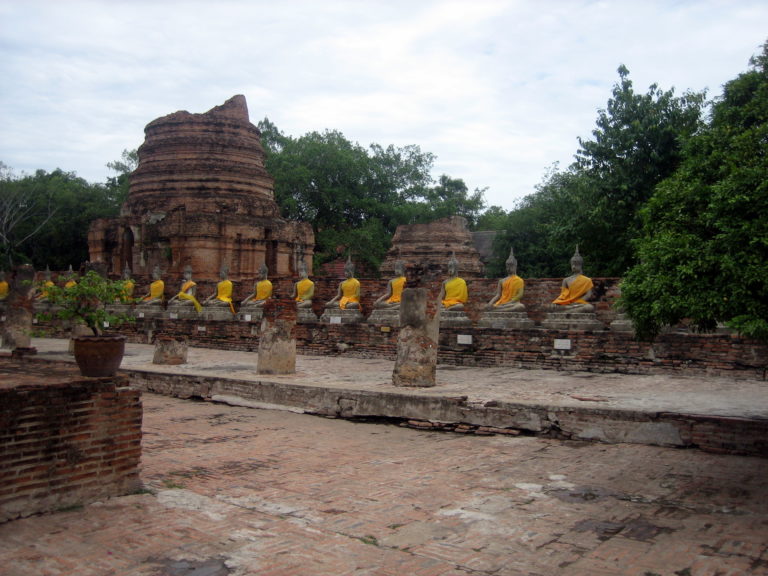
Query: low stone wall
point(66, 442)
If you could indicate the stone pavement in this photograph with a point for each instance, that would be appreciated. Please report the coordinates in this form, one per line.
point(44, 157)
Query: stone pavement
point(714, 413)
point(234, 491)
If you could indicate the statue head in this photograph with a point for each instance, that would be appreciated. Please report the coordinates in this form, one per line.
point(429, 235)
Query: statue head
point(453, 265)
point(263, 272)
point(399, 268)
point(302, 269)
point(224, 272)
point(156, 273)
point(349, 268)
point(188, 272)
point(126, 272)
point(577, 262)
point(511, 262)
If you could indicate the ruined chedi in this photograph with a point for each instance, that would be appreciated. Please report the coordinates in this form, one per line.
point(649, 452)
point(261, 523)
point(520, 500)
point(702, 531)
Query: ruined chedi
point(201, 197)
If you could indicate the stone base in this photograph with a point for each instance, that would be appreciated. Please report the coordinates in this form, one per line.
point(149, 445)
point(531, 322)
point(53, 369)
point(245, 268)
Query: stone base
point(505, 320)
point(572, 321)
point(454, 318)
point(339, 316)
point(251, 314)
point(171, 351)
point(305, 316)
point(622, 323)
point(182, 312)
point(152, 311)
point(216, 313)
point(385, 317)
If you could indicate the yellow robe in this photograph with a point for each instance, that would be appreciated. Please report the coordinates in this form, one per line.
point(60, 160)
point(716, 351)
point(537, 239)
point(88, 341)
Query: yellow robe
point(455, 292)
point(70, 283)
point(303, 288)
point(156, 290)
point(185, 295)
point(573, 294)
point(509, 288)
point(44, 293)
point(224, 293)
point(4, 289)
point(128, 287)
point(397, 290)
point(263, 290)
point(350, 292)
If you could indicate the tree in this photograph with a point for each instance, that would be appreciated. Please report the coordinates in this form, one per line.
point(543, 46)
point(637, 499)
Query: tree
point(451, 197)
point(636, 144)
point(704, 249)
point(118, 184)
point(24, 212)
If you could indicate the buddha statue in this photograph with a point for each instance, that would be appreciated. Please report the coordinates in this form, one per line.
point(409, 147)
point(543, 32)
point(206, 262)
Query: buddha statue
point(391, 300)
point(509, 290)
point(128, 286)
point(223, 295)
point(155, 295)
point(186, 294)
point(453, 293)
point(348, 294)
point(262, 290)
point(304, 289)
point(47, 282)
point(71, 278)
point(575, 290)
point(4, 287)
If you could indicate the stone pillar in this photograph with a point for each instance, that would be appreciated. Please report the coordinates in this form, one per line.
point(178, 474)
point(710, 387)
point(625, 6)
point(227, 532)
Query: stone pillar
point(417, 343)
point(277, 342)
point(20, 311)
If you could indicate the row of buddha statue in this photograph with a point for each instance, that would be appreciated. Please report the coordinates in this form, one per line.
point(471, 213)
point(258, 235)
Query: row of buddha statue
point(575, 293)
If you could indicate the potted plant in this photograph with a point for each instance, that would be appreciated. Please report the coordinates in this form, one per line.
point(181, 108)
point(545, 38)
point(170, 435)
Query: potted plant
point(86, 301)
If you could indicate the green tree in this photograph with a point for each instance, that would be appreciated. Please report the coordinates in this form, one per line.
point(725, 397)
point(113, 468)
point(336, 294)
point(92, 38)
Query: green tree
point(704, 249)
point(637, 143)
point(451, 197)
point(118, 185)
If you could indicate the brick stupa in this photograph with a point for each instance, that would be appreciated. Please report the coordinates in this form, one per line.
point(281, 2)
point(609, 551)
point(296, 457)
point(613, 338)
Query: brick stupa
point(201, 196)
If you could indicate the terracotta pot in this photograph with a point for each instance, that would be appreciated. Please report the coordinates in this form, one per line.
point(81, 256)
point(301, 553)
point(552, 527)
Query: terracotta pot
point(99, 356)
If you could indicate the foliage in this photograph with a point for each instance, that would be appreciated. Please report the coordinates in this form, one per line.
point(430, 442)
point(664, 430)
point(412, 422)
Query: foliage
point(356, 197)
point(704, 249)
point(87, 301)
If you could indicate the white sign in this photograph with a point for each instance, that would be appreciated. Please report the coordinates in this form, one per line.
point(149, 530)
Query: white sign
point(173, 315)
point(201, 328)
point(335, 319)
point(562, 344)
point(247, 317)
point(464, 338)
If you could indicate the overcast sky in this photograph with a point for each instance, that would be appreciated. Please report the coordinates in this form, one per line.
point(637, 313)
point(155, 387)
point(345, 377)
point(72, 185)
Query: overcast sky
point(498, 90)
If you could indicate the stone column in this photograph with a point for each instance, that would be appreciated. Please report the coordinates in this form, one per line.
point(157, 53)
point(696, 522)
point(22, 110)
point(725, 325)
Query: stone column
point(20, 311)
point(417, 343)
point(277, 342)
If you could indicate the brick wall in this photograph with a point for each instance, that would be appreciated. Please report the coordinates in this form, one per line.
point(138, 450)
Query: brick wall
point(66, 444)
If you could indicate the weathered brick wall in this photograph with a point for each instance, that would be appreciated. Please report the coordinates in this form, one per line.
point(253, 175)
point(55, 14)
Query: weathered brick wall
point(67, 444)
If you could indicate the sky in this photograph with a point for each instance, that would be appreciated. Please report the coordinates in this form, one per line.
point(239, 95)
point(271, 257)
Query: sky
point(498, 90)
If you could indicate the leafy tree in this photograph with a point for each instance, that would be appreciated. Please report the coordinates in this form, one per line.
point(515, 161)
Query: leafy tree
point(636, 144)
point(704, 249)
point(118, 184)
point(23, 214)
point(451, 197)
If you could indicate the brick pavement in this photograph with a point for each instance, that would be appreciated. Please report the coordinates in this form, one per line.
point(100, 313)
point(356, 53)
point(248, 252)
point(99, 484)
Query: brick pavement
point(239, 491)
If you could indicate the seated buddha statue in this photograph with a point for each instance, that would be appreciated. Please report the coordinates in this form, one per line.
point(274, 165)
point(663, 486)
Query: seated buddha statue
point(223, 295)
point(4, 287)
point(71, 278)
point(509, 290)
point(42, 293)
point(262, 290)
point(391, 299)
point(186, 295)
point(453, 292)
point(575, 290)
point(304, 289)
point(155, 295)
point(128, 286)
point(348, 293)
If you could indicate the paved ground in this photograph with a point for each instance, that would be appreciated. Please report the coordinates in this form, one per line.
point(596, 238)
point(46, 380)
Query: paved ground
point(677, 393)
point(239, 491)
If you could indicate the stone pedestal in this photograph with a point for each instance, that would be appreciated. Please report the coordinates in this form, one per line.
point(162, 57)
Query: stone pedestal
point(170, 350)
point(417, 342)
point(20, 311)
point(563, 320)
point(505, 320)
point(252, 314)
point(150, 311)
point(277, 342)
point(385, 317)
point(454, 319)
point(182, 312)
point(306, 316)
point(339, 316)
point(622, 323)
point(216, 313)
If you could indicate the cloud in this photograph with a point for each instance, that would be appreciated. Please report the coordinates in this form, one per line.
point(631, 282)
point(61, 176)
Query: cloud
point(498, 89)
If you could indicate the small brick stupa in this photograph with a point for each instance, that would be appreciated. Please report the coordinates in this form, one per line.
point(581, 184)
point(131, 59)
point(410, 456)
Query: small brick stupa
point(426, 249)
point(201, 197)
